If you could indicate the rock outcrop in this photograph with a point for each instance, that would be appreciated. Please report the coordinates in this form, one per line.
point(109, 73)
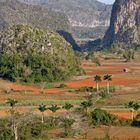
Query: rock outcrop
point(125, 23)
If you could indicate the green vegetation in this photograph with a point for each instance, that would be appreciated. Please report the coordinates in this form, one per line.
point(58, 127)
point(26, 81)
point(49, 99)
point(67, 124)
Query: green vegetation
point(63, 86)
point(20, 12)
point(92, 89)
point(91, 56)
point(97, 79)
point(134, 108)
point(42, 108)
point(129, 55)
point(34, 55)
point(108, 78)
point(102, 117)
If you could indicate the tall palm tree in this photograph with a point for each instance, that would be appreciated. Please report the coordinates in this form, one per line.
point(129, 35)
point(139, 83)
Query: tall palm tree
point(108, 78)
point(12, 103)
point(86, 104)
point(53, 109)
point(134, 107)
point(67, 107)
point(97, 79)
point(130, 105)
point(42, 108)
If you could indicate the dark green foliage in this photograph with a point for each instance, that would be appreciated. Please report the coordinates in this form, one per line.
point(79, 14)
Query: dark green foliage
point(102, 117)
point(97, 78)
point(12, 102)
point(86, 105)
point(42, 108)
point(133, 105)
point(129, 55)
point(54, 108)
point(30, 130)
point(92, 89)
point(36, 130)
point(108, 77)
point(136, 121)
point(103, 94)
point(62, 86)
point(87, 89)
point(34, 55)
point(5, 130)
point(67, 124)
point(67, 106)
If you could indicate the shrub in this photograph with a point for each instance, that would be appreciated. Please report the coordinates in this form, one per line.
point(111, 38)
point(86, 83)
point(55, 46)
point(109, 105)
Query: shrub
point(103, 94)
point(62, 86)
point(128, 55)
point(102, 117)
point(136, 121)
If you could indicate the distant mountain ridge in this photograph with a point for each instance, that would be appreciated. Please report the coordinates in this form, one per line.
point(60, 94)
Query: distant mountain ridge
point(15, 12)
point(81, 13)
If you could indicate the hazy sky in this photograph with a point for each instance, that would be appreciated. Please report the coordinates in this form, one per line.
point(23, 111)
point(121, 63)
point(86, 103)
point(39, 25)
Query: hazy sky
point(107, 1)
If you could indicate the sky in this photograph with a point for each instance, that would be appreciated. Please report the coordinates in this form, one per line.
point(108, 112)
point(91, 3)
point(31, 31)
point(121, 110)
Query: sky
point(107, 1)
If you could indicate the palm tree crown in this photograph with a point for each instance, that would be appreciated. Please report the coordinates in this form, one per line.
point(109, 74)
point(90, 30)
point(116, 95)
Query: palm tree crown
point(108, 77)
point(12, 102)
point(97, 78)
point(67, 106)
point(54, 108)
point(42, 108)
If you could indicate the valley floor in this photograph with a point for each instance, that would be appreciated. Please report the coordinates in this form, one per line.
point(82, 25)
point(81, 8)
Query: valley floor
point(127, 83)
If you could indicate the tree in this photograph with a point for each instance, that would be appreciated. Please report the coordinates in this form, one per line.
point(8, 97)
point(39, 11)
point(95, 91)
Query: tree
point(134, 107)
point(86, 104)
point(67, 124)
point(42, 108)
point(67, 106)
point(102, 117)
point(12, 103)
point(97, 79)
point(54, 108)
point(108, 78)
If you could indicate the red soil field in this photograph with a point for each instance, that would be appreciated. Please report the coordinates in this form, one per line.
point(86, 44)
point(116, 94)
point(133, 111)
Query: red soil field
point(34, 89)
point(91, 82)
point(122, 115)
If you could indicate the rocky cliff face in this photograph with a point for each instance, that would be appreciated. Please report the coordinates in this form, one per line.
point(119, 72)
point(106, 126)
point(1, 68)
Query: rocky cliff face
point(125, 23)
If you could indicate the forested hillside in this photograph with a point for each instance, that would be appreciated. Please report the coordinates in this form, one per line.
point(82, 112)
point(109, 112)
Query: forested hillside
point(30, 54)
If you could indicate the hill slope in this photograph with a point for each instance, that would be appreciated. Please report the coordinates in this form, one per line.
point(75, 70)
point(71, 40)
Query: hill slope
point(125, 23)
point(14, 12)
point(33, 55)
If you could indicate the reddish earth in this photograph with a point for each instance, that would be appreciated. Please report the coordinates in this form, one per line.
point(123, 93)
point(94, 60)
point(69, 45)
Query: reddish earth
point(34, 89)
point(92, 70)
point(115, 81)
point(119, 79)
point(123, 115)
point(23, 109)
